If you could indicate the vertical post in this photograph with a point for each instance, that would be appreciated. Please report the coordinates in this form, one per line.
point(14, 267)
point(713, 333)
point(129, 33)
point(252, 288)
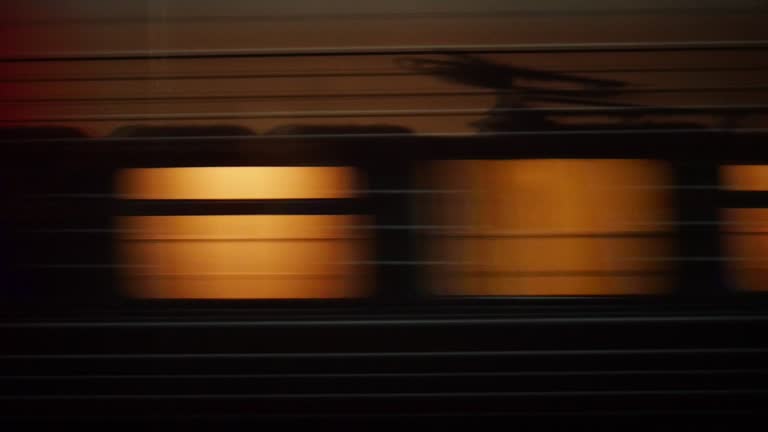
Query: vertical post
point(396, 268)
point(699, 238)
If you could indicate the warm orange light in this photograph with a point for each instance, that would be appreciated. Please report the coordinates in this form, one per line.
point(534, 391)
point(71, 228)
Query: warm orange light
point(746, 243)
point(746, 230)
point(550, 227)
point(241, 256)
point(745, 177)
point(236, 183)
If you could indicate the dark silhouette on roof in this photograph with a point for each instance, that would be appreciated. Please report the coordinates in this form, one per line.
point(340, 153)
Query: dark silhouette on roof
point(518, 89)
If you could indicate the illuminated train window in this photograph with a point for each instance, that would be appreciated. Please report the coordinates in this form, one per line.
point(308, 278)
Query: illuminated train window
point(550, 227)
point(241, 233)
point(746, 229)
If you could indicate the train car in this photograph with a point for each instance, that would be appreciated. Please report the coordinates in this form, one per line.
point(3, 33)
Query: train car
point(598, 261)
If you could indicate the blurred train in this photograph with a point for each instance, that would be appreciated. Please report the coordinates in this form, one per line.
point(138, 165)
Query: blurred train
point(531, 270)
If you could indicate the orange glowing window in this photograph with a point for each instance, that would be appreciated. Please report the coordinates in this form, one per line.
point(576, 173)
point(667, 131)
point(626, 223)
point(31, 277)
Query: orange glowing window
point(746, 229)
point(745, 177)
point(549, 227)
point(241, 256)
point(236, 183)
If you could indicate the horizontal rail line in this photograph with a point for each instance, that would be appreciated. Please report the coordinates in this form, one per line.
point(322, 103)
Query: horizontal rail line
point(391, 354)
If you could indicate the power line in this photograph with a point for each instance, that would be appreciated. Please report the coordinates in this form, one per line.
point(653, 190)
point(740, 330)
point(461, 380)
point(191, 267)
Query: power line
point(522, 92)
point(150, 77)
point(395, 50)
point(695, 109)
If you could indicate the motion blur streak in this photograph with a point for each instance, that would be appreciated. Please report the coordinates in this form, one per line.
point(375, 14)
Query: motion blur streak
point(747, 246)
point(745, 177)
point(240, 256)
point(746, 236)
point(236, 183)
point(552, 227)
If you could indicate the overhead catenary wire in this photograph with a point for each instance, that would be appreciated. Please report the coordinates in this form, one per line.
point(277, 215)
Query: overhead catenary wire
point(715, 45)
point(347, 74)
point(620, 110)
